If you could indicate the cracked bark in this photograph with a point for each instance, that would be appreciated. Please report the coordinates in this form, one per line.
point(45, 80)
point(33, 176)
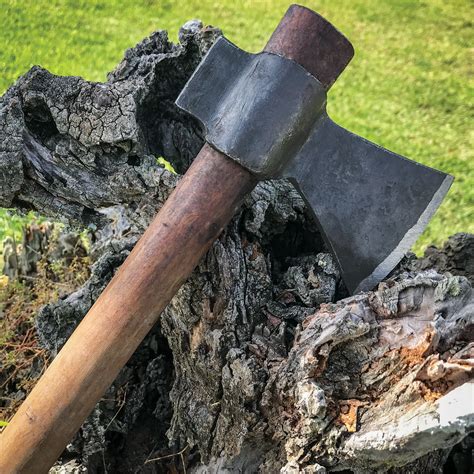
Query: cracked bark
point(259, 363)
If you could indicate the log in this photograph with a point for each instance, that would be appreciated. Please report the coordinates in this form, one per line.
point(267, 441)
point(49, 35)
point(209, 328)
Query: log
point(260, 362)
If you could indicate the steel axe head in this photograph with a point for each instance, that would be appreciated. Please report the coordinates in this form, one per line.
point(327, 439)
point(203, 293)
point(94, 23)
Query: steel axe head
point(268, 113)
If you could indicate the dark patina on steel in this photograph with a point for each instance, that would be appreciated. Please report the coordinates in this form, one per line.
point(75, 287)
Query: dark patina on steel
point(268, 113)
point(370, 203)
point(258, 109)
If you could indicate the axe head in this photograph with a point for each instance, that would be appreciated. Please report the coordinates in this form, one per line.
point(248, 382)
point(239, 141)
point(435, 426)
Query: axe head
point(268, 113)
point(370, 204)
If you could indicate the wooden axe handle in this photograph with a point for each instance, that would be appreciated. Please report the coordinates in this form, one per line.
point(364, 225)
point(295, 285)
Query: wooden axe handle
point(202, 204)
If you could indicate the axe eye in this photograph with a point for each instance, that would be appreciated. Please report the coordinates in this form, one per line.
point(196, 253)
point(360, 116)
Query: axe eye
point(268, 113)
point(257, 109)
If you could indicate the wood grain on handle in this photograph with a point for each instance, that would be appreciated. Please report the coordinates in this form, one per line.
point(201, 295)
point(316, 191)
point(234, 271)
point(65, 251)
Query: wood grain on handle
point(192, 218)
point(202, 204)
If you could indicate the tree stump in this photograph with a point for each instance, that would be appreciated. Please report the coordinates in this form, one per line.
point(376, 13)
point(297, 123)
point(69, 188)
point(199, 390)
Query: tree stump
point(261, 363)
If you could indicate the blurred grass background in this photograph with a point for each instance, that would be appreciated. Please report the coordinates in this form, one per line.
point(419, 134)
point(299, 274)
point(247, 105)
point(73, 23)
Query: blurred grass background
point(409, 87)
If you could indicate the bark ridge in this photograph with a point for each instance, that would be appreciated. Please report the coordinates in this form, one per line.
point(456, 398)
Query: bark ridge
point(261, 363)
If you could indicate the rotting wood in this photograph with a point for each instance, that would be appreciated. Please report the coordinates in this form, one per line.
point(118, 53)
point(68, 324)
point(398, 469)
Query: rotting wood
point(259, 373)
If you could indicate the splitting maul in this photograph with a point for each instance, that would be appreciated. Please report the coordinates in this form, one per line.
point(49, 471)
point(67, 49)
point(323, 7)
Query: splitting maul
point(264, 116)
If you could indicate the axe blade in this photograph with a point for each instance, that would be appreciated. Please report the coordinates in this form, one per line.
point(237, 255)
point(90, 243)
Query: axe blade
point(370, 204)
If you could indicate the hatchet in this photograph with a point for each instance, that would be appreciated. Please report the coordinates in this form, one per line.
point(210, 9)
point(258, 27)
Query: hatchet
point(264, 117)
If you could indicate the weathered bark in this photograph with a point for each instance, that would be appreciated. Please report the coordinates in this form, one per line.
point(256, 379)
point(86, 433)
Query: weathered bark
point(254, 367)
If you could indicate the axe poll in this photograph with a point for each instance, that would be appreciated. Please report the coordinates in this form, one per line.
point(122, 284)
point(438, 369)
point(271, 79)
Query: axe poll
point(264, 116)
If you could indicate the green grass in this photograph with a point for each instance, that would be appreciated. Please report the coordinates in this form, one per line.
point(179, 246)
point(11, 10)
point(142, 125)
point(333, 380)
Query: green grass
point(409, 87)
point(11, 224)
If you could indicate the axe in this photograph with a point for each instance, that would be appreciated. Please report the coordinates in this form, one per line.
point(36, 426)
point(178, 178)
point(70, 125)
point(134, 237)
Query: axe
point(264, 117)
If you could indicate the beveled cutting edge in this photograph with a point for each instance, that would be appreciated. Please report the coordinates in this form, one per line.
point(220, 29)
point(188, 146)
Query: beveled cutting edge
point(192, 218)
point(370, 203)
point(411, 236)
point(269, 114)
